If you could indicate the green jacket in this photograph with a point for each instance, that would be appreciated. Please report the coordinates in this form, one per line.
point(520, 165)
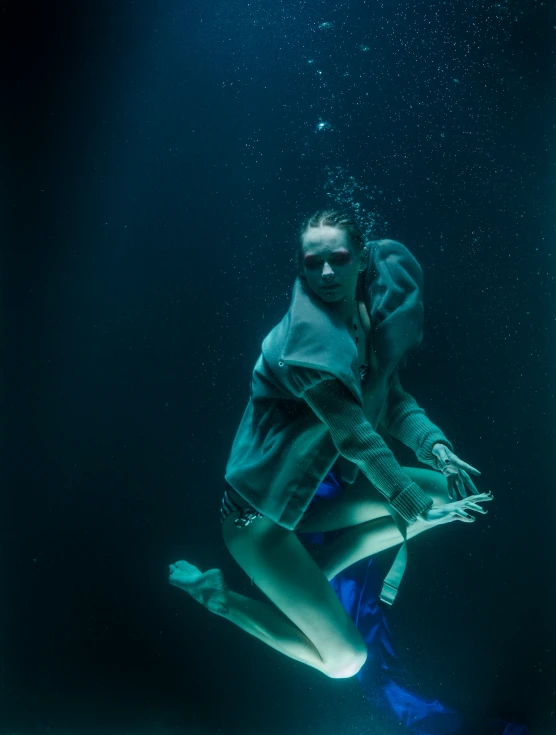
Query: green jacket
point(282, 451)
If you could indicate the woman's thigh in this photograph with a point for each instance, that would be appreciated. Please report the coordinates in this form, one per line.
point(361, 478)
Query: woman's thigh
point(361, 502)
point(281, 567)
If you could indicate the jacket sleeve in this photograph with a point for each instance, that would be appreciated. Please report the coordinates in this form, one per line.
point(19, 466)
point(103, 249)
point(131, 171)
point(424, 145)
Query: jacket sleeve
point(355, 439)
point(406, 421)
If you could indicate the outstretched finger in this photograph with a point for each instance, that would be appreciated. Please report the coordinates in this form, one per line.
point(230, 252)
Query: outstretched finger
point(474, 506)
point(464, 516)
point(464, 466)
point(469, 482)
point(483, 497)
point(461, 486)
point(451, 487)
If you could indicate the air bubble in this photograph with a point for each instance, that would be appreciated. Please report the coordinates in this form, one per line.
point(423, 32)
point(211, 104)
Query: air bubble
point(324, 127)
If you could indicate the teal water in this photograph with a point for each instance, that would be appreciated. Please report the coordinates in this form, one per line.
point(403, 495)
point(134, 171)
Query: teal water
point(159, 159)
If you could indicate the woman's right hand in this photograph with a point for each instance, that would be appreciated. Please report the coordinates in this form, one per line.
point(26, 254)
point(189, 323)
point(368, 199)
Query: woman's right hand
point(456, 511)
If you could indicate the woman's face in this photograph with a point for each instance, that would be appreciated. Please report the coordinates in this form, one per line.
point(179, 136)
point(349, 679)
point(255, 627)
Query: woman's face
point(330, 263)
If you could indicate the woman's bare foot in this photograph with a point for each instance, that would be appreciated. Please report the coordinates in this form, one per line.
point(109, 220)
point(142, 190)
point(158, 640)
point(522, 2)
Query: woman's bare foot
point(208, 588)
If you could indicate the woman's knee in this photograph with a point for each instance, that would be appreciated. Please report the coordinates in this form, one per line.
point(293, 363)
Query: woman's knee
point(346, 664)
point(432, 482)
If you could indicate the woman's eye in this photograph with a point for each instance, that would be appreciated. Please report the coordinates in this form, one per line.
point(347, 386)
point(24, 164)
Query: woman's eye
point(340, 258)
point(312, 263)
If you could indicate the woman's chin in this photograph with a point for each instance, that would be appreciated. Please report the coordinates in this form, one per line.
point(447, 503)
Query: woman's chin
point(334, 294)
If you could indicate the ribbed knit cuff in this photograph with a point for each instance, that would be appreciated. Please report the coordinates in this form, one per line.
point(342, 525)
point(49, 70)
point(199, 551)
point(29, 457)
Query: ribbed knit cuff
point(424, 452)
point(411, 502)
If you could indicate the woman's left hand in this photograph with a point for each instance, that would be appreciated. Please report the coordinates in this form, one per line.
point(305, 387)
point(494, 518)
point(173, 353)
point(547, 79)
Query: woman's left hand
point(456, 472)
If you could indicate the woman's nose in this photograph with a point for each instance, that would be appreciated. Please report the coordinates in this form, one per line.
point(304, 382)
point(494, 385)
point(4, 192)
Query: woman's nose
point(327, 271)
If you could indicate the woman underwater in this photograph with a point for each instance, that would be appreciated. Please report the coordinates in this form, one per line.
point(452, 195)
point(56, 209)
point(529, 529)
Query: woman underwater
point(324, 392)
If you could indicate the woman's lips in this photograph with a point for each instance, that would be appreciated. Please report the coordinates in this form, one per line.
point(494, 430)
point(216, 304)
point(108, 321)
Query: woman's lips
point(330, 288)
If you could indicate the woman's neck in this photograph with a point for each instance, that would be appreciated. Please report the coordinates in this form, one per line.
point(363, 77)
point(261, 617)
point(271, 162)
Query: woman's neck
point(347, 310)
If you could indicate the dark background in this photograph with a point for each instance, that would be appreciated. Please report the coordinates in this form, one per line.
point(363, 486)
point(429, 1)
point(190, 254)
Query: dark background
point(157, 159)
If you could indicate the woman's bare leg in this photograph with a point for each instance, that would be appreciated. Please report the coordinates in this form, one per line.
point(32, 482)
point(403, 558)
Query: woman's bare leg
point(303, 619)
point(364, 539)
point(260, 619)
point(361, 542)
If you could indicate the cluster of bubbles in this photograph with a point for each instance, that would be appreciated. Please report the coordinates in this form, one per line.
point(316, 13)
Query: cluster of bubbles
point(347, 194)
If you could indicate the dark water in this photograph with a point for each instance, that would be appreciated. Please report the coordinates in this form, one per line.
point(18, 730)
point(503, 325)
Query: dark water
point(158, 158)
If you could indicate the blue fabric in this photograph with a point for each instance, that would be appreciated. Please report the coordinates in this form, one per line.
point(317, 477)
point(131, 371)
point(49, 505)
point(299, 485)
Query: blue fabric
point(358, 588)
point(503, 727)
point(382, 678)
point(330, 487)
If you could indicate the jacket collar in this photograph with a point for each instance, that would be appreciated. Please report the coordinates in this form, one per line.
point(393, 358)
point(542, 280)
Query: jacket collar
point(392, 288)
